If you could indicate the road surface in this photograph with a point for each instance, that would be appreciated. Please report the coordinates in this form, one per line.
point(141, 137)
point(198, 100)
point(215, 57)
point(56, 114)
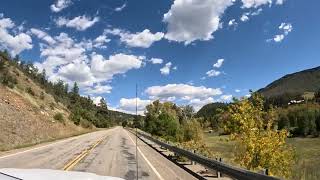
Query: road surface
point(109, 152)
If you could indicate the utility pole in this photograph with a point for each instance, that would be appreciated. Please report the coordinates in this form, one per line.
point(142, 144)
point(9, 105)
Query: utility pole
point(137, 131)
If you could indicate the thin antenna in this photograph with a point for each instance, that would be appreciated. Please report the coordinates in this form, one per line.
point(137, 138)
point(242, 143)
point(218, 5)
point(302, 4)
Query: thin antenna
point(136, 124)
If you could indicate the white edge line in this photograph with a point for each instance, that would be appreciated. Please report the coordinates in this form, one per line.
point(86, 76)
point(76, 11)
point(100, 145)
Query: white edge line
point(144, 157)
point(37, 148)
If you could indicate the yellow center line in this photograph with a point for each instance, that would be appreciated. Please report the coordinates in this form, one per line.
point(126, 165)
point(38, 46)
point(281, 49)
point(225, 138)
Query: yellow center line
point(71, 164)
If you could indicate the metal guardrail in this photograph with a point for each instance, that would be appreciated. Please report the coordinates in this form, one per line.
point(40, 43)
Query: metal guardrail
point(234, 172)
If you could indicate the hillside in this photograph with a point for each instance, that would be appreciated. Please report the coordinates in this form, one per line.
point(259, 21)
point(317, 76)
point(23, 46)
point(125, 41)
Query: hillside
point(33, 110)
point(28, 119)
point(294, 84)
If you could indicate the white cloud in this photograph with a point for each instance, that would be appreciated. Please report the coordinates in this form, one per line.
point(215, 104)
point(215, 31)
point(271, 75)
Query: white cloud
point(278, 38)
point(219, 63)
point(255, 3)
point(232, 22)
point(42, 35)
point(96, 100)
point(258, 3)
point(285, 28)
point(142, 39)
point(244, 18)
point(80, 23)
point(16, 43)
point(69, 60)
point(105, 69)
point(213, 73)
point(118, 9)
point(181, 91)
point(129, 105)
point(76, 72)
point(156, 61)
point(59, 5)
point(98, 89)
point(188, 21)
point(166, 69)
point(237, 90)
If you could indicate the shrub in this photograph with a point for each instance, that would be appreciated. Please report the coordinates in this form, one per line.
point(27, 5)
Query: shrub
point(30, 91)
point(59, 117)
point(8, 80)
point(42, 95)
point(85, 123)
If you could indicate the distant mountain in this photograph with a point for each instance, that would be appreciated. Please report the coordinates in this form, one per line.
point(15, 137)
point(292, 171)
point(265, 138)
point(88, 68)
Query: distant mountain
point(210, 110)
point(294, 84)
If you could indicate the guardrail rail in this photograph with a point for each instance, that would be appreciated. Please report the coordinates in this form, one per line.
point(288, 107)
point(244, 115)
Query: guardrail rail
point(234, 172)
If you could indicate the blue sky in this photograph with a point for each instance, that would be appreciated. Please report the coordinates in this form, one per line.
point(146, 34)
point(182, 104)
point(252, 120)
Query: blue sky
point(186, 51)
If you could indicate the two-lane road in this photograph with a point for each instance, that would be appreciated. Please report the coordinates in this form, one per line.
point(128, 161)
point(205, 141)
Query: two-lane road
point(110, 152)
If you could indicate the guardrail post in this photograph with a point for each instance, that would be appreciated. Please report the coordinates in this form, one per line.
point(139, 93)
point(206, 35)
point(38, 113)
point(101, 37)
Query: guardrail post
point(193, 162)
point(219, 174)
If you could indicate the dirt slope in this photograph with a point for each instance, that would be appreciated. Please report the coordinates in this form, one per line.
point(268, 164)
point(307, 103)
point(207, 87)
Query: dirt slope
point(27, 119)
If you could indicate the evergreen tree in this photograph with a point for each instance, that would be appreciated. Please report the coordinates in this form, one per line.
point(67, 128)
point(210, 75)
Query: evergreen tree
point(75, 89)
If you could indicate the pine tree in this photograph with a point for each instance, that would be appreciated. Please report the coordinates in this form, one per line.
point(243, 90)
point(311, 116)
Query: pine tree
point(103, 104)
point(75, 89)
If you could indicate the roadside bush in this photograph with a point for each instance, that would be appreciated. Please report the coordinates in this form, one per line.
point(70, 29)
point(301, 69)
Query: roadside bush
point(30, 91)
point(42, 95)
point(8, 80)
point(59, 117)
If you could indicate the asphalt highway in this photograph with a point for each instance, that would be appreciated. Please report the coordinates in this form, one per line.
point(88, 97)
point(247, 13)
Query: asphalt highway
point(109, 152)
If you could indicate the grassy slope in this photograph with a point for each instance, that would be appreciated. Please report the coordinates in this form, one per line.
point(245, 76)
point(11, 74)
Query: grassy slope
point(307, 151)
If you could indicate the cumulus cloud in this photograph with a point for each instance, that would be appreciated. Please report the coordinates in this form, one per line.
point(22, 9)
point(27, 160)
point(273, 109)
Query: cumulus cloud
point(167, 68)
point(71, 60)
point(219, 63)
point(213, 73)
point(129, 105)
point(244, 18)
point(118, 9)
point(285, 29)
point(156, 61)
point(232, 22)
point(42, 35)
point(80, 23)
point(181, 91)
point(59, 5)
point(15, 43)
point(258, 3)
point(237, 90)
point(105, 69)
point(188, 21)
point(142, 39)
point(98, 89)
